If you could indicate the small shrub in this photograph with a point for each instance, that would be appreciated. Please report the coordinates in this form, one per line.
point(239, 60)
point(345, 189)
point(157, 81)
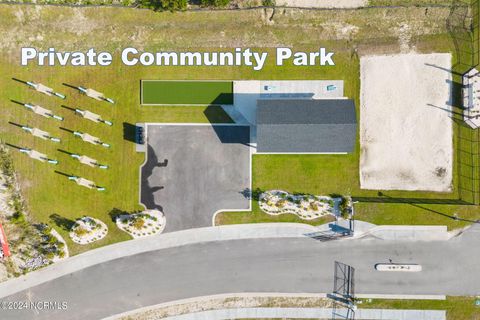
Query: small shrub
point(281, 203)
point(6, 163)
point(172, 5)
point(46, 229)
point(18, 218)
point(92, 223)
point(50, 255)
point(344, 209)
point(256, 194)
point(268, 3)
point(80, 231)
point(52, 240)
point(214, 3)
point(138, 223)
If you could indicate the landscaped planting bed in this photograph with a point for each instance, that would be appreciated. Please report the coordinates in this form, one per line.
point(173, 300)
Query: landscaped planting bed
point(143, 224)
point(87, 230)
point(305, 206)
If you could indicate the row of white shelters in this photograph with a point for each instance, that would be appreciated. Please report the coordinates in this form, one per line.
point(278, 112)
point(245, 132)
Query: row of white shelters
point(471, 98)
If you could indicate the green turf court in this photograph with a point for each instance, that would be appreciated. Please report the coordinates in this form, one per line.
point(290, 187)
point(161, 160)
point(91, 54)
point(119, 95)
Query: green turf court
point(154, 92)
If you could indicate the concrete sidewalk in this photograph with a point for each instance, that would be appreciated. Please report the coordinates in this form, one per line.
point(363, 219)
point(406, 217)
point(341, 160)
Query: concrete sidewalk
point(219, 233)
point(209, 234)
point(410, 233)
point(161, 241)
point(311, 313)
point(388, 232)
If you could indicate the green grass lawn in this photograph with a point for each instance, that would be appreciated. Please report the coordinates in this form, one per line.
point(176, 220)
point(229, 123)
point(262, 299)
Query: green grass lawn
point(187, 92)
point(339, 174)
point(52, 199)
point(458, 308)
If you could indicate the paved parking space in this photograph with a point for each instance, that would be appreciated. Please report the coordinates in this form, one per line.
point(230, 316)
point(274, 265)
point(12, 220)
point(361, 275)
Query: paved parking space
point(192, 171)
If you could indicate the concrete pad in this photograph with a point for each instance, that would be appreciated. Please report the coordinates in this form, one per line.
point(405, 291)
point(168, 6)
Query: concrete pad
point(85, 183)
point(91, 116)
point(246, 93)
point(37, 155)
point(94, 94)
point(40, 133)
point(44, 89)
point(192, 171)
point(87, 160)
point(410, 233)
point(89, 138)
point(42, 111)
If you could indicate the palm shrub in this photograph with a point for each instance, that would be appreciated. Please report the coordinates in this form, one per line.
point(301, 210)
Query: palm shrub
point(215, 3)
point(171, 5)
point(344, 209)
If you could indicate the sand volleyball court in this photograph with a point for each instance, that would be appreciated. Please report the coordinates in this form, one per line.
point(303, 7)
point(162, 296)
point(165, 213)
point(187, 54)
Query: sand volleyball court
point(405, 124)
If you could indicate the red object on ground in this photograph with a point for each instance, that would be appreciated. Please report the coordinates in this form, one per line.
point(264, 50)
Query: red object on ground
point(3, 241)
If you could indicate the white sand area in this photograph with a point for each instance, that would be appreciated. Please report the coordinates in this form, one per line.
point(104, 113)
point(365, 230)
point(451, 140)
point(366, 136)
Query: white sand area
point(405, 124)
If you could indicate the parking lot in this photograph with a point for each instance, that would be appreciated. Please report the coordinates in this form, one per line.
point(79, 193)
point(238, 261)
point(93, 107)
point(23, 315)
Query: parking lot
point(192, 171)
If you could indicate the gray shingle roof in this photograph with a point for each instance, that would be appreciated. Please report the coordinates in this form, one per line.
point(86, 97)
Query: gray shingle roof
point(306, 126)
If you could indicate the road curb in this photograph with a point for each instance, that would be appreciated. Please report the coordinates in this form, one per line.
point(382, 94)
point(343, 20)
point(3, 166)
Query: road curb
point(264, 295)
point(311, 313)
point(402, 296)
point(407, 233)
point(153, 243)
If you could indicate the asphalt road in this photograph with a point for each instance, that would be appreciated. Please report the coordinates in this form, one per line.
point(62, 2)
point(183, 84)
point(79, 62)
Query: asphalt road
point(288, 265)
point(193, 171)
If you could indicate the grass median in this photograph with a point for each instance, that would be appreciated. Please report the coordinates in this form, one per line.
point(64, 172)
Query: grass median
point(458, 308)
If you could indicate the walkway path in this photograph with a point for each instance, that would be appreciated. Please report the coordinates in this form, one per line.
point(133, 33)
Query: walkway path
point(311, 313)
point(162, 241)
point(266, 265)
point(182, 238)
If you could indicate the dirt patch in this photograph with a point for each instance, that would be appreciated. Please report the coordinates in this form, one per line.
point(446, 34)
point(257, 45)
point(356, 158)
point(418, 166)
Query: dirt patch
point(79, 29)
point(78, 23)
point(323, 3)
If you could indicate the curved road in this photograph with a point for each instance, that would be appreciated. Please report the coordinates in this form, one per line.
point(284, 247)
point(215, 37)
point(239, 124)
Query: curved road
point(288, 265)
